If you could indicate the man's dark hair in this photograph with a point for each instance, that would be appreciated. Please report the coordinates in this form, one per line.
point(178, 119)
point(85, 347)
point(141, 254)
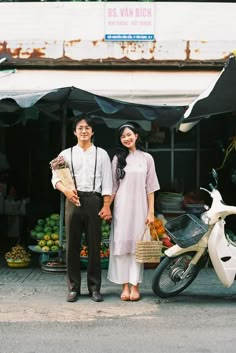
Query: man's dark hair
point(85, 117)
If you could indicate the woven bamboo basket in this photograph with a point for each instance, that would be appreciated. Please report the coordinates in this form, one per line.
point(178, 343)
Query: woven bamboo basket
point(148, 250)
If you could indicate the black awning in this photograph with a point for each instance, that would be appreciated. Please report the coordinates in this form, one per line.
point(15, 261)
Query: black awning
point(78, 101)
point(219, 98)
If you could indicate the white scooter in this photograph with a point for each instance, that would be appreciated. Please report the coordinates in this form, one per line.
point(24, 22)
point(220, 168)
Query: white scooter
point(195, 241)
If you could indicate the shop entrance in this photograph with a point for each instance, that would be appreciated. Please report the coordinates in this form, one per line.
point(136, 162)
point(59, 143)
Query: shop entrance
point(28, 149)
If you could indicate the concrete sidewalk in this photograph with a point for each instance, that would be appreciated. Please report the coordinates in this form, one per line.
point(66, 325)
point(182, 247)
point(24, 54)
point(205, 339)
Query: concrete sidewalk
point(33, 295)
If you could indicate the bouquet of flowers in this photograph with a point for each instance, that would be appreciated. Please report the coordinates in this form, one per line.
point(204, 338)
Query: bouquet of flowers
point(61, 169)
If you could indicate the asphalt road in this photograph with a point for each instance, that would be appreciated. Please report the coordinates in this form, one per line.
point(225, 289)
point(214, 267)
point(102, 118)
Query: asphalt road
point(35, 318)
point(189, 324)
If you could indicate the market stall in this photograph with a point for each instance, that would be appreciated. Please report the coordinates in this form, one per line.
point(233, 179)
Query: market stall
point(58, 103)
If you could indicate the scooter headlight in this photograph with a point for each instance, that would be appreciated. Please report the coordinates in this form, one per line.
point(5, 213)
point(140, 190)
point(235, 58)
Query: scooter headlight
point(205, 218)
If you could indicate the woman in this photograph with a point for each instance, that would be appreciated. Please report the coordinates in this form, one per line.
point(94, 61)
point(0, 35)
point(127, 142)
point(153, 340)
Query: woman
point(134, 184)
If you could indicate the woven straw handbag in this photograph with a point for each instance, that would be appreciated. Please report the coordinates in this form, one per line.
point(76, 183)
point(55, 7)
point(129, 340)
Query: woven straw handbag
point(148, 250)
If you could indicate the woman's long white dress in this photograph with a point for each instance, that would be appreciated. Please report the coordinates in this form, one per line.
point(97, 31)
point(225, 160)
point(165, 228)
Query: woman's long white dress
point(129, 215)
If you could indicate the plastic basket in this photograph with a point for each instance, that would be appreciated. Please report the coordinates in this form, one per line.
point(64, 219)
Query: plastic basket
point(18, 263)
point(84, 262)
point(186, 230)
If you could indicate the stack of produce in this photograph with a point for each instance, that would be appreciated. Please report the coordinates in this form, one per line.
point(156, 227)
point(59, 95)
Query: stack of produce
point(46, 233)
point(18, 257)
point(104, 249)
point(158, 231)
point(106, 228)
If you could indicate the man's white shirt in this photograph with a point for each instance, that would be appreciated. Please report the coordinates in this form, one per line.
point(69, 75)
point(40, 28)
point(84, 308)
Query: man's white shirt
point(84, 167)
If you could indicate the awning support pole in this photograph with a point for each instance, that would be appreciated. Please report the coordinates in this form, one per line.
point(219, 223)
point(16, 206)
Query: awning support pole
point(62, 197)
point(198, 158)
point(172, 173)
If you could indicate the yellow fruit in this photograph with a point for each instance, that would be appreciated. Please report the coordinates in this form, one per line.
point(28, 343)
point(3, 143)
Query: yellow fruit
point(46, 237)
point(49, 243)
point(45, 248)
point(42, 243)
point(55, 236)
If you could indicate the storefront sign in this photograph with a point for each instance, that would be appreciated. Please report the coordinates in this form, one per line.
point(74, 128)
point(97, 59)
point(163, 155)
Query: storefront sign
point(129, 22)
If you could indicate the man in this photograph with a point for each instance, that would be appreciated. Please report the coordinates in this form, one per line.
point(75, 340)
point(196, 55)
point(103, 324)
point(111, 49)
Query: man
point(91, 169)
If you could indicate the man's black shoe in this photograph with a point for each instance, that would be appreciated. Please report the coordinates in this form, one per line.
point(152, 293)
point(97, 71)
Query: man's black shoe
point(96, 296)
point(72, 296)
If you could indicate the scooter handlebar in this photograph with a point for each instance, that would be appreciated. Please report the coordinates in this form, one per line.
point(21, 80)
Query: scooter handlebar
point(205, 190)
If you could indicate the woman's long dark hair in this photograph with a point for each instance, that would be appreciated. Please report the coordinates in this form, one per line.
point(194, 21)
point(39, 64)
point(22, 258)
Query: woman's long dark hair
point(122, 152)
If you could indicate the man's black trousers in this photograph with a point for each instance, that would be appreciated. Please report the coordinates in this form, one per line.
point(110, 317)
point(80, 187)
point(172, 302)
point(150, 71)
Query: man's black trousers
point(79, 220)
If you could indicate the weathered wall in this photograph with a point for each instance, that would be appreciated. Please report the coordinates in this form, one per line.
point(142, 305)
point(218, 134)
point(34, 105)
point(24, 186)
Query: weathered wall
point(72, 34)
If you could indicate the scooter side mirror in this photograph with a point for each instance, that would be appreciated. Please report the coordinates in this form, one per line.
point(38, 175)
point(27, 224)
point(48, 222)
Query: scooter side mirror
point(215, 176)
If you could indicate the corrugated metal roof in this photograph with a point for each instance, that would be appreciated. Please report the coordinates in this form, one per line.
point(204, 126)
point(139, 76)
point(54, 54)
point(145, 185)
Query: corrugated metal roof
point(82, 53)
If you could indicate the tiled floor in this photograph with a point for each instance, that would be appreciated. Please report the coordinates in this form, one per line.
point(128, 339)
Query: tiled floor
point(33, 273)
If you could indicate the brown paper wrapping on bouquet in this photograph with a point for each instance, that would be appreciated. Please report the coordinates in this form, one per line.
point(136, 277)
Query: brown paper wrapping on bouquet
point(65, 177)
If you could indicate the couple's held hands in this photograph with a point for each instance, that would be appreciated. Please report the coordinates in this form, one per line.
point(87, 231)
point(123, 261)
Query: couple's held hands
point(105, 213)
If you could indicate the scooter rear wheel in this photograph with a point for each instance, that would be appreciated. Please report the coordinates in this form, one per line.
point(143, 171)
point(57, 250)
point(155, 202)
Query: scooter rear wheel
point(167, 280)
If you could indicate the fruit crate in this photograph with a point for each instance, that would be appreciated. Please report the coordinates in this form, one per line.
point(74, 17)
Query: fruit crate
point(104, 251)
point(84, 263)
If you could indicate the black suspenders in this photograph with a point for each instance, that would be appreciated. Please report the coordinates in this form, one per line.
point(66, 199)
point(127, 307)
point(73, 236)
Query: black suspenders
point(95, 168)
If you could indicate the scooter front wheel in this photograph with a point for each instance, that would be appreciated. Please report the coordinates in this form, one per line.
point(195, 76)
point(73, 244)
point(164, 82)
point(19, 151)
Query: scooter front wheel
point(167, 280)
